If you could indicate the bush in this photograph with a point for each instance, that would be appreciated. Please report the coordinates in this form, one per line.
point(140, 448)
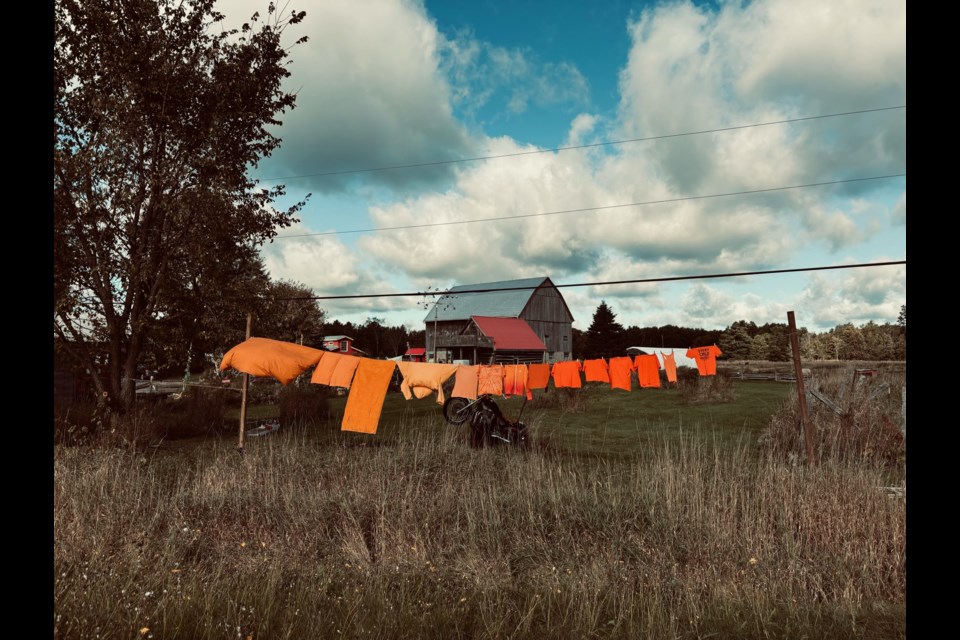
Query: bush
point(697, 389)
point(565, 399)
point(304, 404)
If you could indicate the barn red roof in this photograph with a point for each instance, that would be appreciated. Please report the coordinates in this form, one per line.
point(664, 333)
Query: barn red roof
point(511, 334)
point(416, 351)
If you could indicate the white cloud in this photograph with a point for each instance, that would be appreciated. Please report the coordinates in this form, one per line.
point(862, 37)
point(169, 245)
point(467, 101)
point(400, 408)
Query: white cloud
point(898, 215)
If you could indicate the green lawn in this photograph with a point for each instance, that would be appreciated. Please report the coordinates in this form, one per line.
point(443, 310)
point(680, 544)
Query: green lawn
point(608, 422)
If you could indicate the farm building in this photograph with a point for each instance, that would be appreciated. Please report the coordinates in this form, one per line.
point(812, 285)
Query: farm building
point(342, 344)
point(523, 320)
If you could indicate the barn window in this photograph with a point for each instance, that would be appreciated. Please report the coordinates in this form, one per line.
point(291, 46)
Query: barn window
point(344, 345)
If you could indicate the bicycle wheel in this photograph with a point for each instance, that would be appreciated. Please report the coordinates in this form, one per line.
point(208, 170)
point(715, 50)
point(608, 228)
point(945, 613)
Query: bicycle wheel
point(456, 410)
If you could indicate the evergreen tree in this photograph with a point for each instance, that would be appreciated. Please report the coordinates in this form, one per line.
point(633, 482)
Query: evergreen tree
point(605, 335)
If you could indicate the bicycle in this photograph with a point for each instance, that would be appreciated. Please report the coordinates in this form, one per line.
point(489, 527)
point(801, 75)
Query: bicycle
point(488, 426)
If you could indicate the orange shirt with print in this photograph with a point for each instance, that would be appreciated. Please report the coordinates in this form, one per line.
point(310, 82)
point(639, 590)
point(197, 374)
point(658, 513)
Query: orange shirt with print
point(706, 358)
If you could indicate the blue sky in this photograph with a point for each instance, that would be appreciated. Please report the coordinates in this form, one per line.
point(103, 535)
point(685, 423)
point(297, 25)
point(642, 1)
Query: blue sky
point(394, 82)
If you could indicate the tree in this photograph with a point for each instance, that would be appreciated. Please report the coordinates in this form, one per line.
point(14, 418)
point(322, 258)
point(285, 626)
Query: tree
point(158, 115)
point(604, 336)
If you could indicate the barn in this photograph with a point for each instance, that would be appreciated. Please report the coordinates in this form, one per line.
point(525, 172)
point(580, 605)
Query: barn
point(512, 321)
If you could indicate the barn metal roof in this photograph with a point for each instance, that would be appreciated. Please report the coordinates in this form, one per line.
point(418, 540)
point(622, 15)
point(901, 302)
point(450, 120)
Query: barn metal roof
point(507, 299)
point(510, 334)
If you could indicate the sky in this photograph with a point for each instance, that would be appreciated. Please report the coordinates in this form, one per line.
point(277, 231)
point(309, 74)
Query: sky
point(674, 108)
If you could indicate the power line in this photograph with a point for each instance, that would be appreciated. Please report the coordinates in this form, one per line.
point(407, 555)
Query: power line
point(578, 146)
point(737, 274)
point(580, 210)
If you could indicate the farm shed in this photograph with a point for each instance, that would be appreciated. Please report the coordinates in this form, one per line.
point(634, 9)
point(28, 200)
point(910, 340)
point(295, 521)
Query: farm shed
point(524, 320)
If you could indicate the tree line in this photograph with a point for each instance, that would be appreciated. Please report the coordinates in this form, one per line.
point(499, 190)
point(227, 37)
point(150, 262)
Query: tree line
point(745, 340)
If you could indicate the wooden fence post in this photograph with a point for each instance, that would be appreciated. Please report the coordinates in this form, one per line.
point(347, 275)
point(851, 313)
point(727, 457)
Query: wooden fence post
point(801, 393)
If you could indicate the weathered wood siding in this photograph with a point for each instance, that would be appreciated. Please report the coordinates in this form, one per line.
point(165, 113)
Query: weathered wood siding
point(548, 316)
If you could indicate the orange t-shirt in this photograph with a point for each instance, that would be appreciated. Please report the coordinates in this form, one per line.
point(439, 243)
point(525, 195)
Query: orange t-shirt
point(706, 358)
point(567, 374)
point(515, 381)
point(648, 370)
point(466, 384)
point(596, 370)
point(538, 375)
point(490, 380)
point(365, 401)
point(620, 369)
point(265, 357)
point(670, 366)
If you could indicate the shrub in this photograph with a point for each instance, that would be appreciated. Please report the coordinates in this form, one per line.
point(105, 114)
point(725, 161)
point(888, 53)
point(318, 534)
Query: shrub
point(304, 404)
point(697, 389)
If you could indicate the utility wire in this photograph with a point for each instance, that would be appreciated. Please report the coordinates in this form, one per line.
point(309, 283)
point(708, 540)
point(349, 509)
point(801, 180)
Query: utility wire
point(737, 274)
point(582, 209)
point(578, 146)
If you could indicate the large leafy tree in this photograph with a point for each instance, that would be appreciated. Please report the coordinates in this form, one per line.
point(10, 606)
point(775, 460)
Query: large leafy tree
point(159, 113)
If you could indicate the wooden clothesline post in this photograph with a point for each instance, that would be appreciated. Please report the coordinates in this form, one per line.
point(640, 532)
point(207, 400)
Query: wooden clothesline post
point(243, 394)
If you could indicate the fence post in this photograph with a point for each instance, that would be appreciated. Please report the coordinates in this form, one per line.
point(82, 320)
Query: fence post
point(243, 394)
point(801, 393)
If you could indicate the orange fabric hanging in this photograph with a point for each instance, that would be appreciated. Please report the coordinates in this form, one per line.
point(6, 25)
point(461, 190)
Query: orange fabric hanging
point(466, 384)
point(343, 373)
point(670, 366)
point(620, 369)
point(706, 358)
point(324, 370)
point(538, 375)
point(596, 370)
point(422, 378)
point(365, 402)
point(648, 371)
point(567, 374)
point(515, 381)
point(490, 380)
point(264, 357)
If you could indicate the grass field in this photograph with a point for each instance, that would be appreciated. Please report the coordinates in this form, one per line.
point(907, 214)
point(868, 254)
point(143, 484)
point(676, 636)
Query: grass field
point(633, 516)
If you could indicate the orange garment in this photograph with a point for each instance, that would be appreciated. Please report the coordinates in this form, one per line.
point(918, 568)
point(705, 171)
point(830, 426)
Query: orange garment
point(490, 380)
point(343, 372)
point(324, 370)
point(567, 374)
point(424, 377)
point(706, 358)
point(365, 401)
point(620, 369)
point(648, 371)
point(466, 384)
point(596, 370)
point(265, 357)
point(670, 365)
point(515, 381)
point(538, 375)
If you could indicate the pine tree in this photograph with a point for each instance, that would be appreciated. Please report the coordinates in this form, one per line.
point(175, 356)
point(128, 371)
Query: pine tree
point(605, 335)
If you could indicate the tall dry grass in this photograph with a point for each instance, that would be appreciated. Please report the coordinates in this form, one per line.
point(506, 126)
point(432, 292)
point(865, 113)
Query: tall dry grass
point(327, 536)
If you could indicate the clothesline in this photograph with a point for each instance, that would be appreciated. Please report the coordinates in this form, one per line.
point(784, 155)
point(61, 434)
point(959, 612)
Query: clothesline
point(368, 379)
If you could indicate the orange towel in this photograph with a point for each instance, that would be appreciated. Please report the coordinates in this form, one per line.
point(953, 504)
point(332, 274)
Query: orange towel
point(343, 373)
point(490, 380)
point(515, 381)
point(265, 357)
point(648, 370)
point(596, 370)
point(538, 375)
point(422, 378)
point(365, 401)
point(670, 365)
point(466, 384)
point(567, 374)
point(620, 369)
point(324, 370)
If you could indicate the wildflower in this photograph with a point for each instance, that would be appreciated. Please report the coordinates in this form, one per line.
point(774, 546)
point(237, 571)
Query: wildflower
point(175, 571)
point(464, 599)
point(144, 630)
point(752, 561)
point(243, 544)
